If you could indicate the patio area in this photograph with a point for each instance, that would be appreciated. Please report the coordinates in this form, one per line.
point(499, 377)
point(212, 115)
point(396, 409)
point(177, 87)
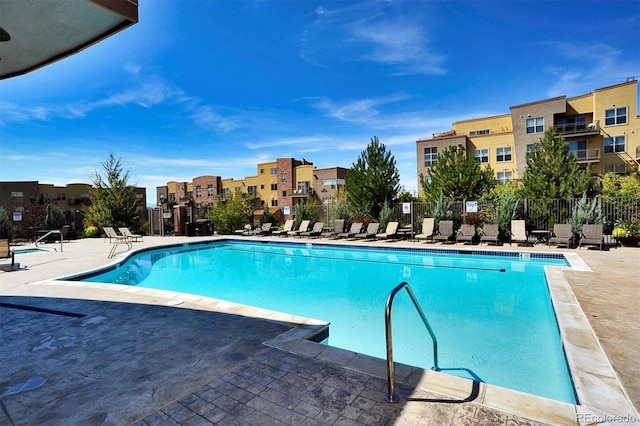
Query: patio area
point(97, 354)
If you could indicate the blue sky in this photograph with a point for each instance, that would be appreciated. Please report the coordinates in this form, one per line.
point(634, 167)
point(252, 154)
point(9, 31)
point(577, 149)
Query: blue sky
point(215, 87)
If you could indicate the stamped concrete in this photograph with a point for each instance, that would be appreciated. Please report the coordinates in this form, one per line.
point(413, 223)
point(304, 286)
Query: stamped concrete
point(152, 358)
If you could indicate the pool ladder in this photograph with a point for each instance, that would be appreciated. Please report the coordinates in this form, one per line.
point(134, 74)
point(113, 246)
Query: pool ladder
point(391, 375)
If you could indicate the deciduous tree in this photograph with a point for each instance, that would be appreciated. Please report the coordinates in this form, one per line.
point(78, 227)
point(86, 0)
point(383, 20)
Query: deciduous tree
point(457, 177)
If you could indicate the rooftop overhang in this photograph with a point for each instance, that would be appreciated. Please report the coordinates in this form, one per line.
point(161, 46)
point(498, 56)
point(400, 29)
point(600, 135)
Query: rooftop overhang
point(35, 33)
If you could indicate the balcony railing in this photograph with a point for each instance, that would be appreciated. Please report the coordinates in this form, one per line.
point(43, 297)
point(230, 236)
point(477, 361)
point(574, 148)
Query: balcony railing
point(582, 128)
point(301, 192)
point(587, 155)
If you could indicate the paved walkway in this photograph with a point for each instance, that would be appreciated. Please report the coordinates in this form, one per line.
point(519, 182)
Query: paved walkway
point(78, 355)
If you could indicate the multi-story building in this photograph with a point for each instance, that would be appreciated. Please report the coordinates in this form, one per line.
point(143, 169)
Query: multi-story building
point(279, 185)
point(602, 128)
point(26, 202)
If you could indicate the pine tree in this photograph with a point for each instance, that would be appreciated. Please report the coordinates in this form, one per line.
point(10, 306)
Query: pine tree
point(372, 180)
point(113, 200)
point(552, 172)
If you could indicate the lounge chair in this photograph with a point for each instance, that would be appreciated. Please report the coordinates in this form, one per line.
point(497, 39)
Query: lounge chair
point(127, 233)
point(338, 227)
point(265, 229)
point(316, 231)
point(304, 227)
point(592, 235)
point(7, 253)
point(111, 233)
point(467, 233)
point(518, 232)
point(288, 226)
point(562, 235)
point(428, 224)
point(356, 228)
point(391, 232)
point(370, 232)
point(445, 232)
point(490, 234)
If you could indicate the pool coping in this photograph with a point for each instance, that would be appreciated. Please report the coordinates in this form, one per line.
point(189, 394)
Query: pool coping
point(600, 393)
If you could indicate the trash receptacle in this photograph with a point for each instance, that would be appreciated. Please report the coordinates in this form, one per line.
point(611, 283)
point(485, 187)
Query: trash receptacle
point(204, 227)
point(190, 229)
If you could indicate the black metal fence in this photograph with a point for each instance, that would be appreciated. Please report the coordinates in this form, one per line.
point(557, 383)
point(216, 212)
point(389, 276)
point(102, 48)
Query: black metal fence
point(538, 214)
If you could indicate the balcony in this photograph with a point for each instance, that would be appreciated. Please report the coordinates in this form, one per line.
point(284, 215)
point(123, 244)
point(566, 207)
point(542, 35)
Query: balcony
point(578, 129)
point(586, 156)
point(301, 192)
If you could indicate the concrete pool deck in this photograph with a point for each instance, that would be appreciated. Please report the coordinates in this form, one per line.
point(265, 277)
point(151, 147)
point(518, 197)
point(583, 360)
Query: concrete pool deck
point(96, 354)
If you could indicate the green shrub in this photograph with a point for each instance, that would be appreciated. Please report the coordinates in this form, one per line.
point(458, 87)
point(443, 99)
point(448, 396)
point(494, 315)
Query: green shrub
point(6, 227)
point(91, 231)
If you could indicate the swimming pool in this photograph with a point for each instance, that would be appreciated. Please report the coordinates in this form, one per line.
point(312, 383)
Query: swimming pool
point(491, 313)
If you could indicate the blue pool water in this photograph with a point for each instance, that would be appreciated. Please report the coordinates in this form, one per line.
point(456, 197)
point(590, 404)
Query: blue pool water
point(492, 315)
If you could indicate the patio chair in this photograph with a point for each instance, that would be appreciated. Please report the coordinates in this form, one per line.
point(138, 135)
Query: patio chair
point(518, 232)
point(370, 232)
point(265, 229)
point(562, 235)
point(592, 234)
point(428, 224)
point(246, 230)
point(467, 233)
point(356, 228)
point(445, 232)
point(127, 233)
point(338, 227)
point(391, 232)
point(111, 233)
point(490, 234)
point(316, 231)
point(288, 226)
point(304, 227)
point(7, 253)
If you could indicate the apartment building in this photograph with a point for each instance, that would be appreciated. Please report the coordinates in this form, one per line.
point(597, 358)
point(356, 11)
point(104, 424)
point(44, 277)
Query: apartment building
point(26, 202)
point(279, 185)
point(602, 128)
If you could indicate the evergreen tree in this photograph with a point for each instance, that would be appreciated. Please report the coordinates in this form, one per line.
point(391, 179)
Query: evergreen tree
point(552, 172)
point(457, 177)
point(6, 227)
point(113, 200)
point(372, 180)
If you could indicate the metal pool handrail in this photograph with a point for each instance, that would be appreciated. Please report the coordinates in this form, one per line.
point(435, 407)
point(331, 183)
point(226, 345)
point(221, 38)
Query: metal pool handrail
point(55, 231)
point(391, 375)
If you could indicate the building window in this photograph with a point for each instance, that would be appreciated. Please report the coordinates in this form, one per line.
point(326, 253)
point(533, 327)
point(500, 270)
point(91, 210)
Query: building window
point(261, 171)
point(172, 197)
point(17, 194)
point(225, 193)
point(481, 155)
point(504, 177)
point(274, 186)
point(198, 191)
point(252, 189)
point(578, 149)
point(535, 125)
point(209, 190)
point(284, 193)
point(530, 147)
point(619, 169)
point(61, 196)
point(284, 177)
point(274, 203)
point(430, 156)
point(273, 171)
point(615, 116)
point(189, 195)
point(479, 132)
point(261, 186)
point(614, 144)
point(503, 154)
